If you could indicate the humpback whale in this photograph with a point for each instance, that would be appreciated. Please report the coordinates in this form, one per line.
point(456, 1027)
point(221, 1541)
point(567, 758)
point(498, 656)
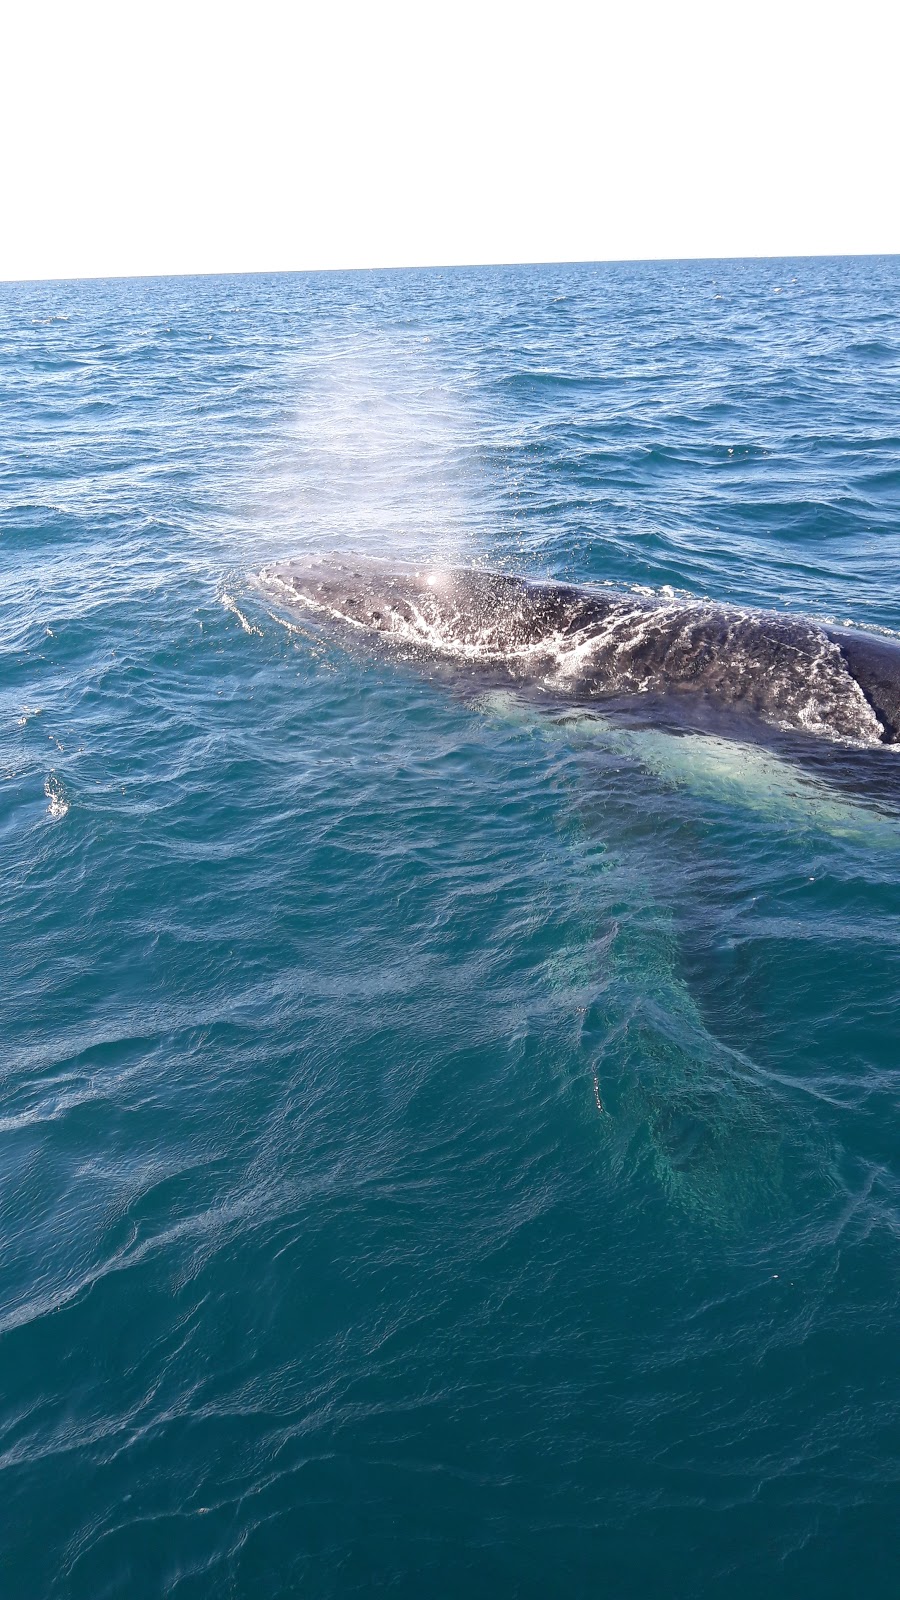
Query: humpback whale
point(590, 643)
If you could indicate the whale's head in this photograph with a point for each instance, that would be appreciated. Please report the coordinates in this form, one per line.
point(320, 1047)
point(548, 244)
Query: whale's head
point(466, 614)
point(360, 591)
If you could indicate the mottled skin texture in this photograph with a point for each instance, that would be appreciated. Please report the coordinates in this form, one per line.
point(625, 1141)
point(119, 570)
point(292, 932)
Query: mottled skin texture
point(587, 642)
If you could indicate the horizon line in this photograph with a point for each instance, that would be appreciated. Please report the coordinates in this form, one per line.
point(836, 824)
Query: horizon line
point(452, 266)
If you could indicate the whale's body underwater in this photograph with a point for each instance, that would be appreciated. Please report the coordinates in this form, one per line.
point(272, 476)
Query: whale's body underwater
point(670, 701)
point(587, 644)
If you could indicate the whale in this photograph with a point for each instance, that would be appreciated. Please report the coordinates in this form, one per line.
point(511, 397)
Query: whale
point(598, 644)
point(748, 710)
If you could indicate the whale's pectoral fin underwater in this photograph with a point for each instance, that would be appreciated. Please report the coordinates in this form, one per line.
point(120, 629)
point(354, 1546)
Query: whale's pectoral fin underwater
point(584, 645)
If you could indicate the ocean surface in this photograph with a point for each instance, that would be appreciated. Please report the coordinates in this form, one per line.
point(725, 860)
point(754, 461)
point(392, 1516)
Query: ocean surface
point(449, 1147)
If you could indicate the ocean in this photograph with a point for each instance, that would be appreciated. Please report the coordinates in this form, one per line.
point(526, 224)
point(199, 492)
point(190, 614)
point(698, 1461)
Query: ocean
point(450, 1145)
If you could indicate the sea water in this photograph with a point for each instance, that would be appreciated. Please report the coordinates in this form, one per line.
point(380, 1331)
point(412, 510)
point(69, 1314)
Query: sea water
point(450, 1145)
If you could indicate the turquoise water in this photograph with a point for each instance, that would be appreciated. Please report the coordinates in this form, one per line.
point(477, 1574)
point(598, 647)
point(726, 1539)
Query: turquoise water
point(449, 1147)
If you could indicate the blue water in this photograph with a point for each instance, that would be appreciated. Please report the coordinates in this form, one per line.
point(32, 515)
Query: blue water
point(447, 1148)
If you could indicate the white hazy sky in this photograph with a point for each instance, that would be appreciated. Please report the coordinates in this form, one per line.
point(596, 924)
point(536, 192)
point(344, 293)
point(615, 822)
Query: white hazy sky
point(197, 137)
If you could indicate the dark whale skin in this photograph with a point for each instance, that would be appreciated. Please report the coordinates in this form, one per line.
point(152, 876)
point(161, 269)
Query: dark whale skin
point(874, 663)
point(588, 643)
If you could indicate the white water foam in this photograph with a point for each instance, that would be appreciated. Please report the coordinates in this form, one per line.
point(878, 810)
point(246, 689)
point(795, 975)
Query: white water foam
point(55, 793)
point(231, 605)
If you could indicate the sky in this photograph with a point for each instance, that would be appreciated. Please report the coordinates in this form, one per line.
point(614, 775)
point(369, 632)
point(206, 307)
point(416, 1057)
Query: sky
point(158, 138)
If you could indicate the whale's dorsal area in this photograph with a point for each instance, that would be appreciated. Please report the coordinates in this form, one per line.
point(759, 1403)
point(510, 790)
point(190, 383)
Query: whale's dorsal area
point(590, 643)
